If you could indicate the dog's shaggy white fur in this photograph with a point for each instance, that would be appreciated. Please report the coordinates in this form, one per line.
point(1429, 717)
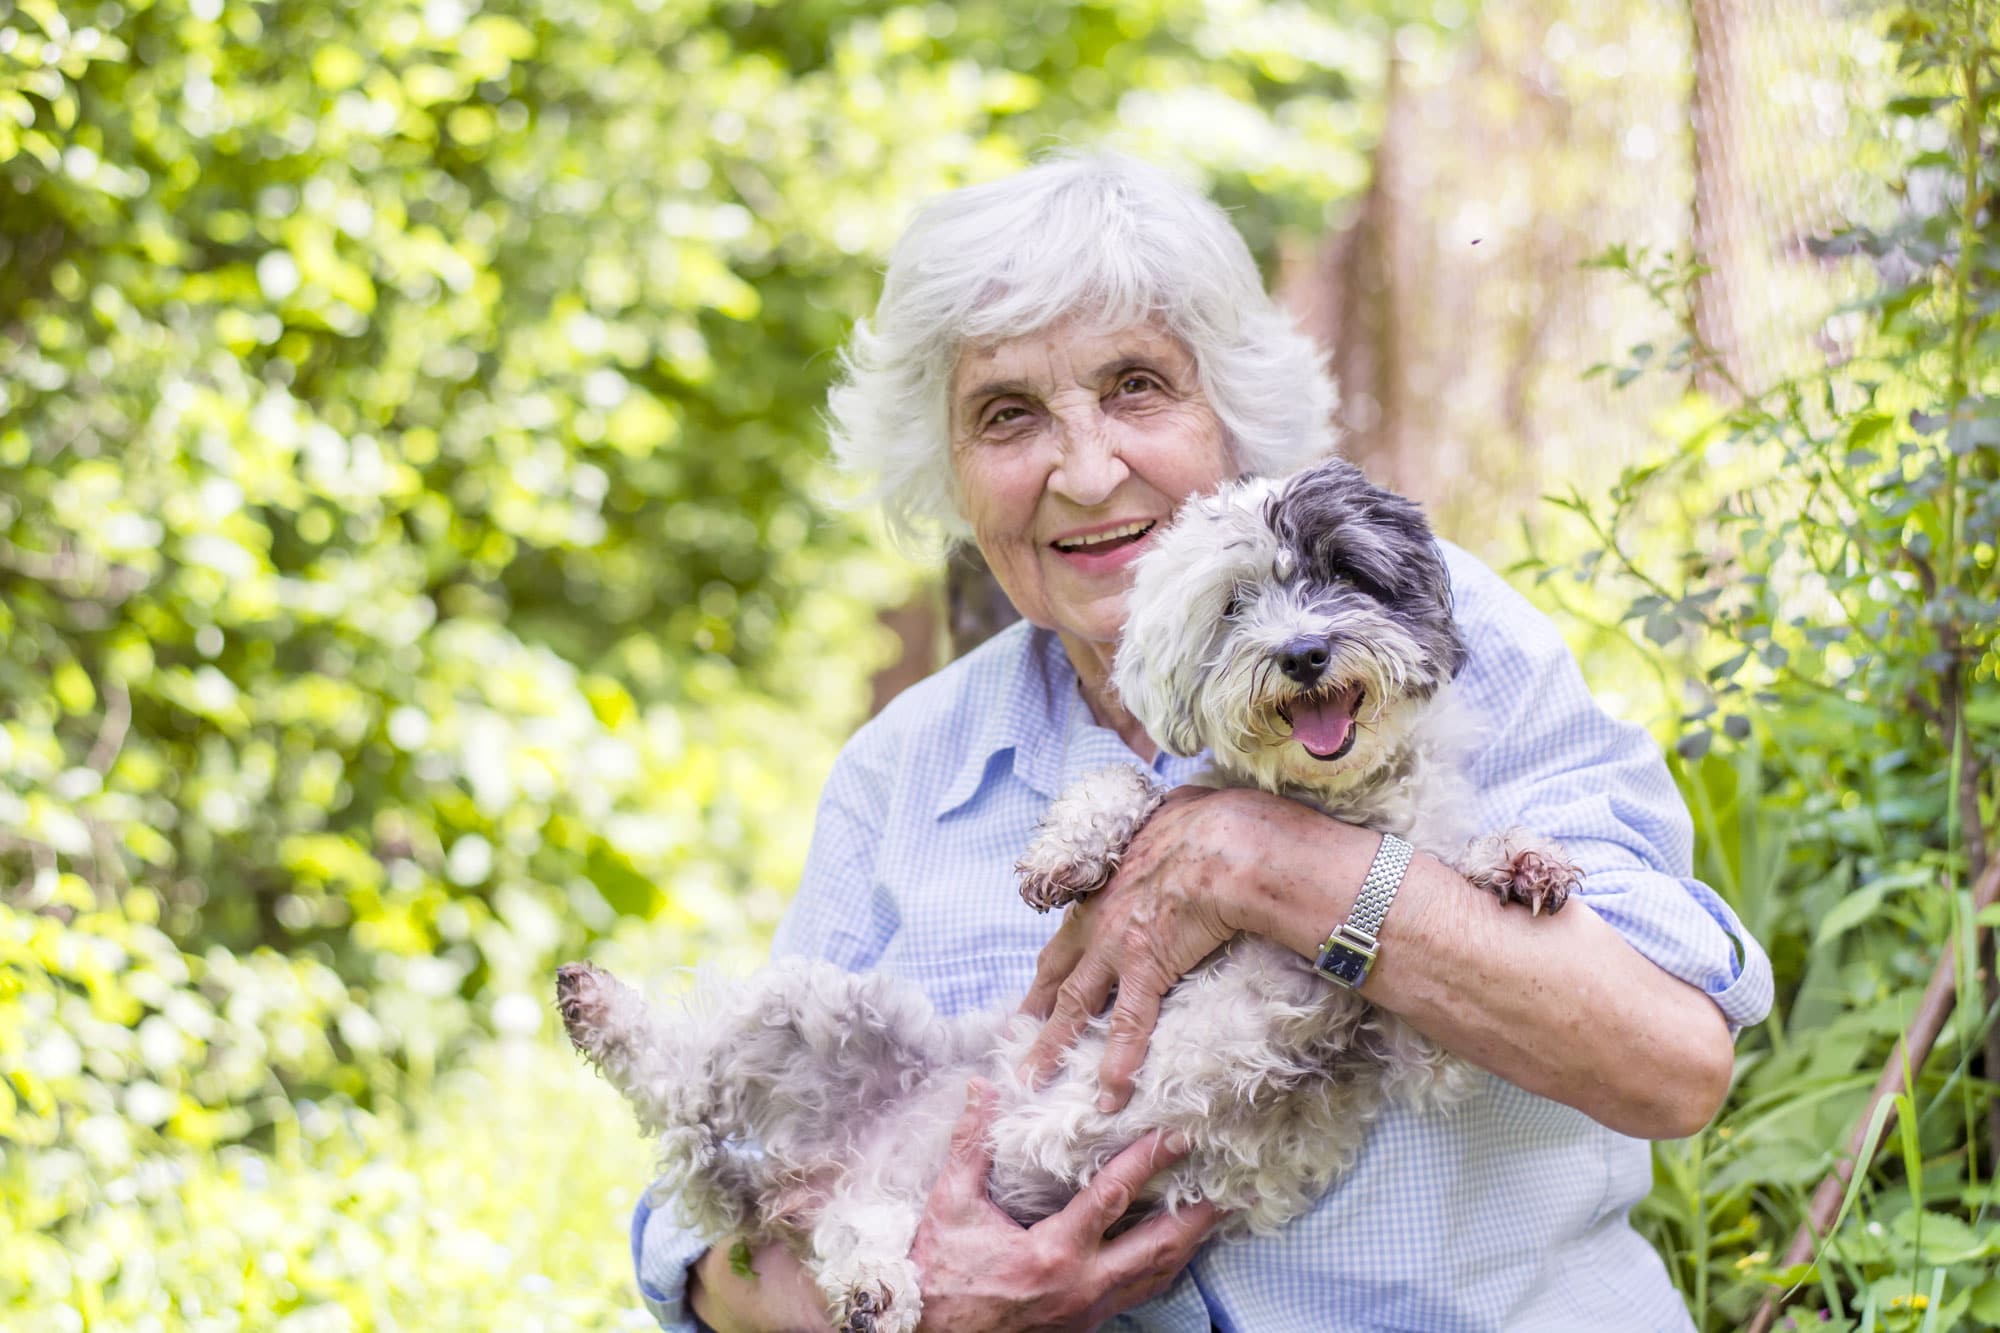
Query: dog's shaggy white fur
point(1301, 633)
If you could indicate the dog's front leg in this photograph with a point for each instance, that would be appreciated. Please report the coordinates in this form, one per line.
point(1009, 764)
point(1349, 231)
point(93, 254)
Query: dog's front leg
point(1521, 867)
point(1084, 835)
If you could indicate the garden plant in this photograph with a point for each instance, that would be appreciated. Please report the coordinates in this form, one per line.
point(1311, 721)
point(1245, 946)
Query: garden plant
point(1810, 572)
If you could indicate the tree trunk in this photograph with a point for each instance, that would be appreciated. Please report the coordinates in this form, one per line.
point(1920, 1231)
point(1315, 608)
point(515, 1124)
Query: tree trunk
point(1717, 220)
point(1352, 294)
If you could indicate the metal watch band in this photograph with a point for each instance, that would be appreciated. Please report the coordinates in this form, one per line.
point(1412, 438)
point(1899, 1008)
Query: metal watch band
point(1378, 890)
point(1349, 953)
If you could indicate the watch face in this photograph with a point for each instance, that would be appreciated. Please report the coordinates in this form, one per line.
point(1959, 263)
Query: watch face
point(1344, 963)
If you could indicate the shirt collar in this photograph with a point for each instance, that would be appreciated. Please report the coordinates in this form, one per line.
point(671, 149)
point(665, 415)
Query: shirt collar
point(1028, 716)
point(1039, 719)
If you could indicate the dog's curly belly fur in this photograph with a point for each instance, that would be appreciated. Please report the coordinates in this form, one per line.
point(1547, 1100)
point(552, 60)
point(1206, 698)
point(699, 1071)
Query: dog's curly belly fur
point(815, 1107)
point(1272, 1076)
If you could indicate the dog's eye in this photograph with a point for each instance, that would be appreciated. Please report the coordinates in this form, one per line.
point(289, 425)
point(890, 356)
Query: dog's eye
point(1233, 607)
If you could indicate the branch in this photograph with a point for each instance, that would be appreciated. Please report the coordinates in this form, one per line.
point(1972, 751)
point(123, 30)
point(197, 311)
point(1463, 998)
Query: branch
point(117, 722)
point(1924, 708)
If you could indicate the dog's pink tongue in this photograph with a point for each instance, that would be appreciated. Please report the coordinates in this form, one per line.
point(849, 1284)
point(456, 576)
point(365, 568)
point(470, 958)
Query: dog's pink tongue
point(1323, 727)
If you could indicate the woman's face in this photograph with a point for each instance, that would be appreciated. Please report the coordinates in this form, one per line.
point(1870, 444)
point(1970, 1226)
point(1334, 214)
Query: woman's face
point(1069, 447)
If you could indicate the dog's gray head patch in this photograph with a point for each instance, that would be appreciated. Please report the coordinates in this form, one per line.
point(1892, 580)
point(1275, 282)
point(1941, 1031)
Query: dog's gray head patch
point(1347, 536)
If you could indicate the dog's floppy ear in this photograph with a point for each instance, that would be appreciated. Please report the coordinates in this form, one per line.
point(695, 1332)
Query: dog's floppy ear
point(1162, 699)
point(1177, 609)
point(1343, 526)
point(1156, 673)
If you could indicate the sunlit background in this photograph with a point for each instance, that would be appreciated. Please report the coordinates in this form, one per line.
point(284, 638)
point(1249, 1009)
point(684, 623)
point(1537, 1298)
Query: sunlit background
point(418, 562)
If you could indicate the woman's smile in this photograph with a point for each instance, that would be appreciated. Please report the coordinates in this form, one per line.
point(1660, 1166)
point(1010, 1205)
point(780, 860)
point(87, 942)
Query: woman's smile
point(1106, 548)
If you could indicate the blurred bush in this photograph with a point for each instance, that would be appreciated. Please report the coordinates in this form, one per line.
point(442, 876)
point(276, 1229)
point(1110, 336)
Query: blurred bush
point(185, 1149)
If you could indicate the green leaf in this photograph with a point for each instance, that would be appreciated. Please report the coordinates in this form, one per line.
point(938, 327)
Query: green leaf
point(1945, 1239)
point(1986, 1301)
point(1727, 668)
point(739, 1260)
point(1849, 912)
point(628, 892)
point(1876, 1121)
point(1906, 1130)
point(1915, 107)
point(71, 686)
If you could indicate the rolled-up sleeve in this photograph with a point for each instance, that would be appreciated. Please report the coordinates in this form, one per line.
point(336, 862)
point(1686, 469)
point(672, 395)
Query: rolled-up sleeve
point(832, 916)
point(1554, 762)
point(662, 1253)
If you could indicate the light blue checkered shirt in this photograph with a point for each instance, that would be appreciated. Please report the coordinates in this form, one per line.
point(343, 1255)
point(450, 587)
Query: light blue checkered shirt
point(1510, 1213)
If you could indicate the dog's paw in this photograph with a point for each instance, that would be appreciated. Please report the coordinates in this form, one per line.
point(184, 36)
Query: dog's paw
point(1519, 867)
point(876, 1295)
point(862, 1309)
point(876, 1309)
point(1084, 834)
point(1047, 887)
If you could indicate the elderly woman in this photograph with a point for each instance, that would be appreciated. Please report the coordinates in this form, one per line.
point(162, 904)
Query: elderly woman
point(1058, 361)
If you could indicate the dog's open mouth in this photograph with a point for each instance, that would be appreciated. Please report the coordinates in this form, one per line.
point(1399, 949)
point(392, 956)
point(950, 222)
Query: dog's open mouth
point(1323, 721)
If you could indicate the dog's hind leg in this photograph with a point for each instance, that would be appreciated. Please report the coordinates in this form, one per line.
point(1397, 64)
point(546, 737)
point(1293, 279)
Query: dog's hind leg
point(1084, 834)
point(625, 1037)
point(801, 1037)
point(789, 1060)
point(753, 1084)
point(654, 1064)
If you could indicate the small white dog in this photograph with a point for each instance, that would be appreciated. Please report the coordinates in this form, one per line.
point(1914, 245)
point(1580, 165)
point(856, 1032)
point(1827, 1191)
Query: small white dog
point(1300, 631)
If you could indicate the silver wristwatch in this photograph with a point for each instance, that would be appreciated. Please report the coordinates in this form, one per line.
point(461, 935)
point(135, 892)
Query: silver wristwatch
point(1350, 951)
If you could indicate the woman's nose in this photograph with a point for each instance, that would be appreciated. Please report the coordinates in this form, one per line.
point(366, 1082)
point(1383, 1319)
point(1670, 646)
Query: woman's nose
point(1089, 467)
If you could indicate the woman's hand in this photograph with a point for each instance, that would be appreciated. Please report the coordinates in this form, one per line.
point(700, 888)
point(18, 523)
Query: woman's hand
point(1190, 881)
point(985, 1273)
point(775, 1296)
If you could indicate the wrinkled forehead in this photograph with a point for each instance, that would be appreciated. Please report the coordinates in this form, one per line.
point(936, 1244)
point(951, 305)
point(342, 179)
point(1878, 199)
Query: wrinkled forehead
point(1070, 349)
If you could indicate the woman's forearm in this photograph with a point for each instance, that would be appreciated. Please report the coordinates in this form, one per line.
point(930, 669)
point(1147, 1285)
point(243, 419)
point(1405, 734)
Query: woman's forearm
point(1558, 1004)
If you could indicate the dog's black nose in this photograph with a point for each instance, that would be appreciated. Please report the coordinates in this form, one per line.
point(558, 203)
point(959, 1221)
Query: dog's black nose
point(1304, 660)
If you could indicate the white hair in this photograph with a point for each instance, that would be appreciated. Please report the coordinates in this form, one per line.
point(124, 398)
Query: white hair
point(1097, 236)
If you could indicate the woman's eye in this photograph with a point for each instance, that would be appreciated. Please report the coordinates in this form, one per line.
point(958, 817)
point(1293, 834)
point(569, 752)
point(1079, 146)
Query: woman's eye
point(1137, 384)
point(1006, 415)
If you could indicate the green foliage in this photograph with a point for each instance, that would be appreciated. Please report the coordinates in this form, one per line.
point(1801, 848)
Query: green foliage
point(414, 568)
point(1826, 633)
point(380, 529)
point(180, 1147)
